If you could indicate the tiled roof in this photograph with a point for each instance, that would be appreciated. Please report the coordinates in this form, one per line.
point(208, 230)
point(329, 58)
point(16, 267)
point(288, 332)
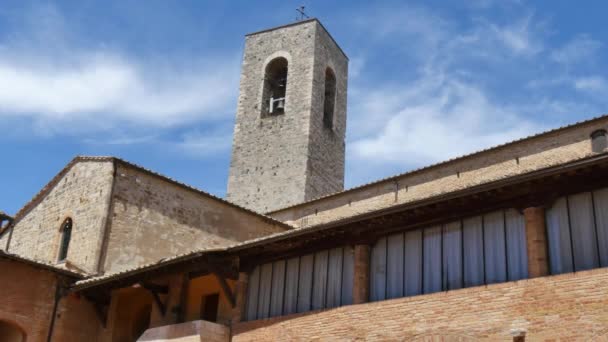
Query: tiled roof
point(445, 162)
point(146, 267)
point(39, 264)
point(235, 248)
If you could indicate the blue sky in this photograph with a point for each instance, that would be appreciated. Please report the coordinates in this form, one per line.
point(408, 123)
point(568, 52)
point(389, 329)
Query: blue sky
point(156, 82)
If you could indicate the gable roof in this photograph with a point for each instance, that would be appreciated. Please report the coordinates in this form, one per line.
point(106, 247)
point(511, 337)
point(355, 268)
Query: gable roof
point(49, 186)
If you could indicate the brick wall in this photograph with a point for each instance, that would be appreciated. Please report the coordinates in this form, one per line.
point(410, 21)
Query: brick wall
point(28, 297)
point(566, 307)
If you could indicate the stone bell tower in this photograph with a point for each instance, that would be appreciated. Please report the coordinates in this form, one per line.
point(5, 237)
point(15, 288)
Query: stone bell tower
point(290, 126)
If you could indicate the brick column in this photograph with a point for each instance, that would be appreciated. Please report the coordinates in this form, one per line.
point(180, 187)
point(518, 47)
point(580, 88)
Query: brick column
point(240, 293)
point(536, 241)
point(361, 276)
point(111, 317)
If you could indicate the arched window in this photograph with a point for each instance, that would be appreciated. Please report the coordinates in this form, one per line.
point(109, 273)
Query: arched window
point(599, 141)
point(329, 99)
point(275, 87)
point(66, 235)
point(11, 333)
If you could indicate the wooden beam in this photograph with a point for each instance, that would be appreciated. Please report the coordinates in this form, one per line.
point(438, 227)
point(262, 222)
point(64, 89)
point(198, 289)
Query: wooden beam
point(159, 304)
point(154, 290)
point(101, 311)
point(225, 289)
point(183, 299)
point(162, 289)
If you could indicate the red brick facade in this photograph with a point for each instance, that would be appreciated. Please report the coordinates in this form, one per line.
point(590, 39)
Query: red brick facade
point(28, 298)
point(565, 307)
point(538, 262)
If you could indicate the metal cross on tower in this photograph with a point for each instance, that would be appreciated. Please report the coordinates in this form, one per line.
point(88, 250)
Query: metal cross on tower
point(301, 14)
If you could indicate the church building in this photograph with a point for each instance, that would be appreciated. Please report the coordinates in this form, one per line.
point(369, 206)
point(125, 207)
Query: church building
point(505, 244)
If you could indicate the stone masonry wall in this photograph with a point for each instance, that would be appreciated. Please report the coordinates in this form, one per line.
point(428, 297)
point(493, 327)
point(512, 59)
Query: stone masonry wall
point(83, 194)
point(568, 307)
point(28, 296)
point(270, 166)
point(154, 219)
point(539, 152)
point(326, 146)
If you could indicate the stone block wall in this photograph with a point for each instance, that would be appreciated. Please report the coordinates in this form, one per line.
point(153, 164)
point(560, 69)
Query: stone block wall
point(568, 307)
point(272, 164)
point(81, 192)
point(152, 219)
point(546, 150)
point(326, 145)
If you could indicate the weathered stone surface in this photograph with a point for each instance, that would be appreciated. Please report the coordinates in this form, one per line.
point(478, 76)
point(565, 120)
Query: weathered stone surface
point(124, 217)
point(152, 219)
point(280, 160)
point(83, 194)
point(546, 150)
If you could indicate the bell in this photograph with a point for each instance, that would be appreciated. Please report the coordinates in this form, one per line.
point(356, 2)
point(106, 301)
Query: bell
point(281, 104)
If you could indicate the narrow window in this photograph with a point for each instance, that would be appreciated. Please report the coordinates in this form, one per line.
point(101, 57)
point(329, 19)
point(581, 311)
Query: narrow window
point(275, 87)
point(599, 141)
point(66, 235)
point(329, 99)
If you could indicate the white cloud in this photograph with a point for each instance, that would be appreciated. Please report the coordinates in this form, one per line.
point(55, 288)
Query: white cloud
point(594, 85)
point(117, 87)
point(446, 110)
point(54, 79)
point(413, 29)
point(449, 118)
point(519, 38)
point(205, 143)
point(580, 49)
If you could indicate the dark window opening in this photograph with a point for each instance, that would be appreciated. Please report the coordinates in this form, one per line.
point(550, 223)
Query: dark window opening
point(66, 235)
point(599, 142)
point(275, 87)
point(209, 306)
point(329, 99)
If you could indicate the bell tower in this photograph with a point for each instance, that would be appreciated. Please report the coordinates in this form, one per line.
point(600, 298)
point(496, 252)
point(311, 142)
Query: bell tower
point(288, 144)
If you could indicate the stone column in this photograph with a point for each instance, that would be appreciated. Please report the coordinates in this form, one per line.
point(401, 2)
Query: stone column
point(536, 240)
point(240, 293)
point(361, 276)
